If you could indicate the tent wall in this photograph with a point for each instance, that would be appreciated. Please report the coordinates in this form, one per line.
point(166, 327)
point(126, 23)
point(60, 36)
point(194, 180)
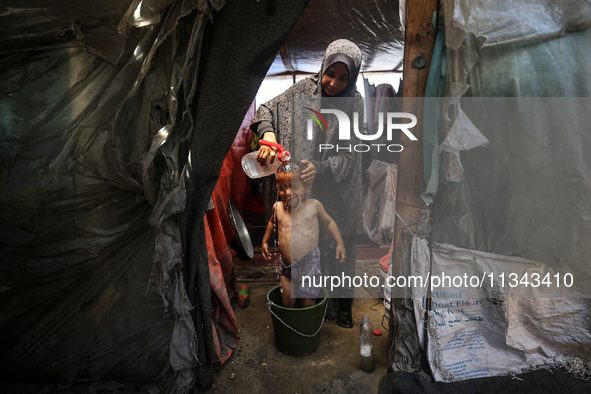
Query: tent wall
point(85, 212)
point(526, 192)
point(116, 117)
point(520, 74)
point(236, 58)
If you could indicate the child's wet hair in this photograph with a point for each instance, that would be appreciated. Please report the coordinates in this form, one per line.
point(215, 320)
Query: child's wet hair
point(290, 166)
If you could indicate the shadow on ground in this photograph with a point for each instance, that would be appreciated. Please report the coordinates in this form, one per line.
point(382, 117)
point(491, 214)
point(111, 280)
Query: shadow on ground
point(256, 366)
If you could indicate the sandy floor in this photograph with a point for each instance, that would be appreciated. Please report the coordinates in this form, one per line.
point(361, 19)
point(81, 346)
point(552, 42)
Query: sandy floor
point(258, 367)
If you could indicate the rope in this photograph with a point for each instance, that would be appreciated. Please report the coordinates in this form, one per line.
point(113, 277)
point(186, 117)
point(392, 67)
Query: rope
point(293, 329)
point(405, 225)
point(398, 202)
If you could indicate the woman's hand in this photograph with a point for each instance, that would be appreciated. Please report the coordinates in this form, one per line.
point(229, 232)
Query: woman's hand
point(267, 151)
point(309, 172)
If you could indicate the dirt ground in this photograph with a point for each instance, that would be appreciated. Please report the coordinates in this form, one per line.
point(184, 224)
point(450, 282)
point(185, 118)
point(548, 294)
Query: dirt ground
point(257, 366)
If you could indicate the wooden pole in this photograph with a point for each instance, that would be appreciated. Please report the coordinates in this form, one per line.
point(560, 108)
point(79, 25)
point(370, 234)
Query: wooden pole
point(418, 50)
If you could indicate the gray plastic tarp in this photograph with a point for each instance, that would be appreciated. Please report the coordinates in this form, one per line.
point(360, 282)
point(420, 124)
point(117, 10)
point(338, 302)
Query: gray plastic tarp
point(105, 276)
point(92, 158)
point(514, 173)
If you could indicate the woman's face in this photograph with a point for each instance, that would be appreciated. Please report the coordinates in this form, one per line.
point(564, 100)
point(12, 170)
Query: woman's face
point(335, 79)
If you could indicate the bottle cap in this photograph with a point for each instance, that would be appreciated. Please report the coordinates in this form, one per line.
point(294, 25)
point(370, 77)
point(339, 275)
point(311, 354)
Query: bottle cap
point(377, 333)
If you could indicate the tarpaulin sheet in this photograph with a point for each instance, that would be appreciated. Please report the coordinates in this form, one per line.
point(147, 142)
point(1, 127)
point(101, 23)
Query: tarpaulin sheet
point(232, 184)
point(539, 381)
point(373, 25)
point(514, 180)
point(506, 21)
point(236, 57)
point(233, 179)
point(220, 256)
point(219, 234)
point(514, 170)
point(103, 104)
point(93, 143)
point(378, 202)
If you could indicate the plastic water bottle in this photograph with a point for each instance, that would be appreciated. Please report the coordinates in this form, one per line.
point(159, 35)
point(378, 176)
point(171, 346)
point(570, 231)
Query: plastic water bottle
point(254, 169)
point(366, 340)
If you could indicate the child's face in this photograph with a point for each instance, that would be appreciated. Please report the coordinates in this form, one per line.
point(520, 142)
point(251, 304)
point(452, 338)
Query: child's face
point(291, 188)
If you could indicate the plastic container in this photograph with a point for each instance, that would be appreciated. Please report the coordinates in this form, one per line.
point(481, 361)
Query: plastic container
point(366, 344)
point(254, 169)
point(297, 330)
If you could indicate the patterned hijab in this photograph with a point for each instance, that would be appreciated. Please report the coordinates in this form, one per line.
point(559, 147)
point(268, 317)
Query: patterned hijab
point(346, 52)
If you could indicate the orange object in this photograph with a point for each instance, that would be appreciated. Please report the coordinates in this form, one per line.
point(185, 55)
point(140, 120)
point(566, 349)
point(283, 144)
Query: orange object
point(243, 296)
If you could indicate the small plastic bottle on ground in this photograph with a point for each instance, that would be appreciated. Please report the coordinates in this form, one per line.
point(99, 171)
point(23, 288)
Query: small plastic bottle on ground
point(366, 344)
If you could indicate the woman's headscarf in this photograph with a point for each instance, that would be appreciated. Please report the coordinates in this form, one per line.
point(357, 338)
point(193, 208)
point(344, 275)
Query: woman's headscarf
point(275, 115)
point(346, 52)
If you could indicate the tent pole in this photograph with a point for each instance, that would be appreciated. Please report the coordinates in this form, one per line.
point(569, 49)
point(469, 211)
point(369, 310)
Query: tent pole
point(418, 49)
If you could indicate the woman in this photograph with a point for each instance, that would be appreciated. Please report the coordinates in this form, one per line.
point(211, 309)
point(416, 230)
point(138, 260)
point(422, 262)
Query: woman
point(335, 174)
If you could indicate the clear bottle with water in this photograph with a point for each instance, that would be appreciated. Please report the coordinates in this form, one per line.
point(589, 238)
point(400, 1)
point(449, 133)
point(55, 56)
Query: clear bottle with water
point(254, 169)
point(366, 341)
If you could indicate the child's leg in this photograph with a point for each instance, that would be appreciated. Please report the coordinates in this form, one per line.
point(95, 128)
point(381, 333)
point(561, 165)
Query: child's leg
point(285, 282)
point(306, 302)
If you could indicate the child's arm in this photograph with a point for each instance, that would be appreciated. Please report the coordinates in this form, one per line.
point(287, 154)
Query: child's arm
point(333, 229)
point(268, 235)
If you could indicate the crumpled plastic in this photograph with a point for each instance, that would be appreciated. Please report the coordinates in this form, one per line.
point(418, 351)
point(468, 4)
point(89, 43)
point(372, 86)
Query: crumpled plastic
point(525, 88)
point(462, 136)
point(378, 202)
point(93, 150)
point(372, 25)
point(507, 21)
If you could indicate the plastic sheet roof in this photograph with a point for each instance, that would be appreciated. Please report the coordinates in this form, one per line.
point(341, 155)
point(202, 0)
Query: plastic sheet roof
point(373, 25)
